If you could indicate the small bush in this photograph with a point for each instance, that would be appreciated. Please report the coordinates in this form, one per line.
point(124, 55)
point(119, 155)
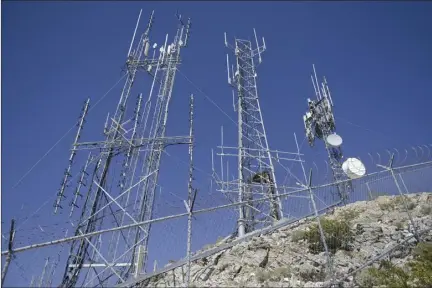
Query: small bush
point(411, 205)
point(313, 275)
point(415, 273)
point(337, 234)
point(349, 215)
point(280, 273)
point(277, 274)
point(421, 266)
point(298, 235)
point(426, 209)
point(390, 276)
point(366, 279)
point(397, 201)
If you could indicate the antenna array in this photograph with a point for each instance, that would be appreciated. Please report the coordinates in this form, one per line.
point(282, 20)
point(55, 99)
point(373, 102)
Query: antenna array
point(137, 142)
point(320, 123)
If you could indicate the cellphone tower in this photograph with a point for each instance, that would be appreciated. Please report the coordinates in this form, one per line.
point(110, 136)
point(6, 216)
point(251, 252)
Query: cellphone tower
point(319, 123)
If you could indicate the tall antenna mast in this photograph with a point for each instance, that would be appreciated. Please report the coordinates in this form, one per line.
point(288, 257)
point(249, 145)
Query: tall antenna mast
point(138, 146)
point(256, 174)
point(320, 123)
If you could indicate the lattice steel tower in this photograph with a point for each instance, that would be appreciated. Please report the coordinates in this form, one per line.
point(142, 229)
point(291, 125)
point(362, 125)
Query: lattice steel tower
point(256, 174)
point(320, 123)
point(135, 141)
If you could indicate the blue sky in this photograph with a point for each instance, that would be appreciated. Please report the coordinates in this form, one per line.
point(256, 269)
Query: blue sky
point(376, 57)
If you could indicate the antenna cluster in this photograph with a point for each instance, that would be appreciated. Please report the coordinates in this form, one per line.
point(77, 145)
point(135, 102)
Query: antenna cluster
point(319, 123)
point(136, 142)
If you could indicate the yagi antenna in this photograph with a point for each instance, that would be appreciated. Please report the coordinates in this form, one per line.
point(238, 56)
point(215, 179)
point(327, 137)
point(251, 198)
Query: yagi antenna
point(133, 37)
point(259, 53)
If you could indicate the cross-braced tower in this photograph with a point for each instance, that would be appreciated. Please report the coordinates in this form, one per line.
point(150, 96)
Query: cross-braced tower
point(137, 143)
point(320, 123)
point(256, 174)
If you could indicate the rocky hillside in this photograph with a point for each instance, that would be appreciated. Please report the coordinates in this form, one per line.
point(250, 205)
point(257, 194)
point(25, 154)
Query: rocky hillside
point(294, 256)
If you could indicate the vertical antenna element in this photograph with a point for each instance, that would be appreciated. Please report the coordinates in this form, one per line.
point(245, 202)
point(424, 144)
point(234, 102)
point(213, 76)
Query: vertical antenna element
point(42, 277)
point(71, 158)
point(221, 158)
point(212, 160)
point(228, 70)
point(127, 159)
point(133, 37)
point(258, 48)
point(106, 125)
point(313, 83)
point(81, 182)
point(188, 27)
point(316, 83)
point(328, 91)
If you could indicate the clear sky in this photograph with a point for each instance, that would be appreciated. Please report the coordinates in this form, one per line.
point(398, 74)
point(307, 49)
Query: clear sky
point(376, 57)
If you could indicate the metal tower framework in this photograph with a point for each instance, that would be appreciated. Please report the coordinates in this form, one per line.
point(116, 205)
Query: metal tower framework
point(256, 173)
point(320, 123)
point(136, 144)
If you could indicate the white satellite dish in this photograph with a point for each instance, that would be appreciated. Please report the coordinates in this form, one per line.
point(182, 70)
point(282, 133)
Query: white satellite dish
point(334, 140)
point(353, 168)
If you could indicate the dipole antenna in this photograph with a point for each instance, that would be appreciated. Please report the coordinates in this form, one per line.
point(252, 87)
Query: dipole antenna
point(67, 173)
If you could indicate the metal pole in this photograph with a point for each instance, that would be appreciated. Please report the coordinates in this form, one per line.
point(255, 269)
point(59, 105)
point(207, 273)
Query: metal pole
point(190, 197)
point(369, 191)
point(390, 168)
point(41, 280)
point(9, 255)
point(241, 226)
point(330, 270)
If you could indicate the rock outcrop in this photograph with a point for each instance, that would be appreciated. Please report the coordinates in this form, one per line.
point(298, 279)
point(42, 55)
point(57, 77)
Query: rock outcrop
point(289, 257)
